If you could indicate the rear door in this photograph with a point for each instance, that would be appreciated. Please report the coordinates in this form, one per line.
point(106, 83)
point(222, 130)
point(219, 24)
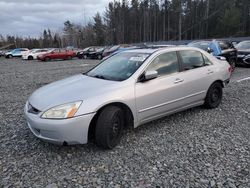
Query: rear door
point(197, 73)
point(17, 53)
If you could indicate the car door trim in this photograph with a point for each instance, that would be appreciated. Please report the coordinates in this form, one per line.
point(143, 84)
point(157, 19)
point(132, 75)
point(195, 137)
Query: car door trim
point(173, 101)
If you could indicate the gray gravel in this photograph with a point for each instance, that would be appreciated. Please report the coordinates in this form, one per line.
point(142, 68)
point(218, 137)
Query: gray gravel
point(194, 148)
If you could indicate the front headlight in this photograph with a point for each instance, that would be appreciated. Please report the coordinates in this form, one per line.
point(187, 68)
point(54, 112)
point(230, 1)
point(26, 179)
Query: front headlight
point(63, 111)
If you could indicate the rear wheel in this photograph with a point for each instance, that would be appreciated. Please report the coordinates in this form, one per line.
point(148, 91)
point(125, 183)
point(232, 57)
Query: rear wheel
point(109, 127)
point(214, 96)
point(9, 56)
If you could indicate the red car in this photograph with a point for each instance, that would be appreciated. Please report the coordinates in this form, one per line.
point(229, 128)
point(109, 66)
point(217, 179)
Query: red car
point(57, 54)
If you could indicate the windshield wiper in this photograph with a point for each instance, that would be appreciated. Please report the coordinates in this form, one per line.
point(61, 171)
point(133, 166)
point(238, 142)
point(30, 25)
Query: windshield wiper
point(100, 77)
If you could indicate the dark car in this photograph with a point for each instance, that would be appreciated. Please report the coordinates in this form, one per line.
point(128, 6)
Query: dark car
point(57, 54)
point(110, 50)
point(84, 54)
point(227, 49)
point(96, 54)
point(243, 53)
point(117, 49)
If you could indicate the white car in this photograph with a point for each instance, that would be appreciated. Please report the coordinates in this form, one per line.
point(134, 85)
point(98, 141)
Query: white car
point(32, 54)
point(127, 89)
point(18, 52)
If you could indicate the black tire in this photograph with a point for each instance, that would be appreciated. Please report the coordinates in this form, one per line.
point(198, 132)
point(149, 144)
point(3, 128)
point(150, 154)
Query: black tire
point(30, 58)
point(46, 59)
point(214, 96)
point(109, 127)
point(99, 57)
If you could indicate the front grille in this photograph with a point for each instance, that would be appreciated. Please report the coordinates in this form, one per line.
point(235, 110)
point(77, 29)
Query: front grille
point(33, 110)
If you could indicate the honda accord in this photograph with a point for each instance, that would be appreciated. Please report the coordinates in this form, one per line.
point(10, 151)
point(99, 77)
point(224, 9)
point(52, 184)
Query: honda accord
point(127, 89)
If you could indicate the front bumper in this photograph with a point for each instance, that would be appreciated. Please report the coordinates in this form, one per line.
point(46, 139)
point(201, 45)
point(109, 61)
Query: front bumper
point(243, 60)
point(59, 131)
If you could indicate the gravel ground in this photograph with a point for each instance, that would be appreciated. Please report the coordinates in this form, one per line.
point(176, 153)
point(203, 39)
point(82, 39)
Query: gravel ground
point(194, 148)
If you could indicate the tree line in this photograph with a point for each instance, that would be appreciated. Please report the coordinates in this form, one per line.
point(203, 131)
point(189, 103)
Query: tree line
point(136, 21)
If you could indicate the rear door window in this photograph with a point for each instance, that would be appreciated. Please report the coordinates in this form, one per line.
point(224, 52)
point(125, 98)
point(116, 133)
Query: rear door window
point(191, 59)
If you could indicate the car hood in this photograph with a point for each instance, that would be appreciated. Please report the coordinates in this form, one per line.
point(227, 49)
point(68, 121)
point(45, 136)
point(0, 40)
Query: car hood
point(75, 88)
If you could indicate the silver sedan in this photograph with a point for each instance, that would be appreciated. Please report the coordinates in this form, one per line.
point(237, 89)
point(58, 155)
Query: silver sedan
point(127, 89)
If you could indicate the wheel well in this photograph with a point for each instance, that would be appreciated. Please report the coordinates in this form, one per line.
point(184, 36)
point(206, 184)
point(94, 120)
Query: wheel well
point(129, 118)
point(219, 81)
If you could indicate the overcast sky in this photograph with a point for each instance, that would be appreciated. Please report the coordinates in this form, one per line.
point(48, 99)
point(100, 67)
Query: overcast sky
point(30, 17)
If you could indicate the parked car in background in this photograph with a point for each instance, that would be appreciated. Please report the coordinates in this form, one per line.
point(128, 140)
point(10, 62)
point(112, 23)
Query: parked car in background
point(32, 54)
point(1, 53)
point(57, 54)
point(227, 49)
point(243, 53)
point(160, 46)
point(110, 50)
point(117, 49)
point(18, 52)
point(97, 54)
point(130, 88)
point(84, 54)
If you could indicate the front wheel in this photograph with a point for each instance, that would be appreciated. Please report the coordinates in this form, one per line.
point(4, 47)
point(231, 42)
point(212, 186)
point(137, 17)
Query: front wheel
point(109, 127)
point(99, 57)
point(46, 59)
point(214, 96)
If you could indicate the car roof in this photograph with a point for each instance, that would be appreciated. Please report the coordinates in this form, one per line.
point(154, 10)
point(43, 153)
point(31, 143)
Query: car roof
point(142, 50)
point(170, 48)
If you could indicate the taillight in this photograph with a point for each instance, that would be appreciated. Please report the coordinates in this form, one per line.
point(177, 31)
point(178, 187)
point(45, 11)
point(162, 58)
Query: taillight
point(230, 69)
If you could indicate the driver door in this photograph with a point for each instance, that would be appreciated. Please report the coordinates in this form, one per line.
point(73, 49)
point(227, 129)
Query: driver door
point(156, 97)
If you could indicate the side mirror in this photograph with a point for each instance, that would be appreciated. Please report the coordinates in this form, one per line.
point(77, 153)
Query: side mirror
point(148, 75)
point(209, 50)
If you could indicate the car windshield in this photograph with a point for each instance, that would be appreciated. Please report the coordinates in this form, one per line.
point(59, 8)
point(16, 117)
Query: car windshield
point(202, 45)
point(243, 45)
point(119, 67)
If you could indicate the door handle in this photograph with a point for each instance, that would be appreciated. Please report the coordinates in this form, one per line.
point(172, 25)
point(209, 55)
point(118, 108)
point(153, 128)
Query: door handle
point(178, 80)
point(210, 71)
